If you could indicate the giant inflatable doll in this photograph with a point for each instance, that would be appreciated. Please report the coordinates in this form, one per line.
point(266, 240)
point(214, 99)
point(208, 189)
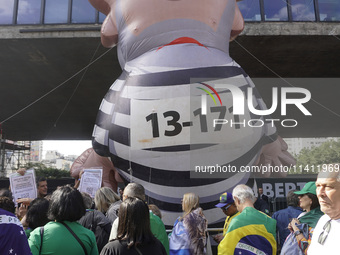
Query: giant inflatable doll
point(170, 116)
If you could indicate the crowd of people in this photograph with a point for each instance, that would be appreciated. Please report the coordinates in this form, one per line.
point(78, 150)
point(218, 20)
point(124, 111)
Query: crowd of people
point(70, 222)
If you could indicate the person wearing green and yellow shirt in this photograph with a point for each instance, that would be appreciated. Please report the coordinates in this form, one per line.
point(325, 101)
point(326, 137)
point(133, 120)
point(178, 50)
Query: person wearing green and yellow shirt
point(228, 207)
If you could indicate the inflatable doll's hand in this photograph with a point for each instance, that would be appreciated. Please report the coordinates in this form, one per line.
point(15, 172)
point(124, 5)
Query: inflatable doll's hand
point(90, 159)
point(275, 154)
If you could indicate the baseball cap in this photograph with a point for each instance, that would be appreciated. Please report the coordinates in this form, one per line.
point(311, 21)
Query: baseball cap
point(225, 198)
point(309, 187)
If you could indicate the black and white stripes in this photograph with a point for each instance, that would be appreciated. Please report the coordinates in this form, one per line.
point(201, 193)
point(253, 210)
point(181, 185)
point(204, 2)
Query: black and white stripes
point(163, 163)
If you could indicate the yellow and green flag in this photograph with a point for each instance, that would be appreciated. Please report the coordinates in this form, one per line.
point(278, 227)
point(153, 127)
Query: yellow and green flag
point(251, 232)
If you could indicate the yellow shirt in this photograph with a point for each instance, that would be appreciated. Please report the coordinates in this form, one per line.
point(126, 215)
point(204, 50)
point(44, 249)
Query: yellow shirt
point(227, 222)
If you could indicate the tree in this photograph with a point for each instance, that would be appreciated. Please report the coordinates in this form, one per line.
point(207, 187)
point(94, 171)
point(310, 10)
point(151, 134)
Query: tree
point(311, 160)
point(48, 172)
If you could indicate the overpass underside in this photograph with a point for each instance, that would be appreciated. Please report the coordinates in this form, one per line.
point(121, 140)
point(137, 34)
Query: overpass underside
point(48, 90)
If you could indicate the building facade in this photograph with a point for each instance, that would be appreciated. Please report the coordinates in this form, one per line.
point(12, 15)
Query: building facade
point(295, 145)
point(22, 12)
point(36, 151)
point(54, 46)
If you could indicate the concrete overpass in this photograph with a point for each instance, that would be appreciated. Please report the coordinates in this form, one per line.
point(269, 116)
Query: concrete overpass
point(48, 90)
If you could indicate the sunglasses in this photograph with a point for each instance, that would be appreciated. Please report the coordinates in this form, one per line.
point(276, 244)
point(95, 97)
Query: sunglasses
point(324, 234)
point(226, 207)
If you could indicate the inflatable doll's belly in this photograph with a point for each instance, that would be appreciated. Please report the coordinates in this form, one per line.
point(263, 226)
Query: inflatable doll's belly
point(177, 120)
point(170, 132)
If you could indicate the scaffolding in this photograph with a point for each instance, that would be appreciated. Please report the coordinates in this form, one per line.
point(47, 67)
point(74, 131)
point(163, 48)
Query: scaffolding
point(13, 155)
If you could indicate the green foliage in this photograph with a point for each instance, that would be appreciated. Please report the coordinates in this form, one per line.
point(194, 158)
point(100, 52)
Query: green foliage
point(311, 160)
point(48, 172)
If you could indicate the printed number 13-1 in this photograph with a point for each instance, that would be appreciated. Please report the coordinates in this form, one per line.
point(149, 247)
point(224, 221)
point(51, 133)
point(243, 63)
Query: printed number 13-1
point(177, 127)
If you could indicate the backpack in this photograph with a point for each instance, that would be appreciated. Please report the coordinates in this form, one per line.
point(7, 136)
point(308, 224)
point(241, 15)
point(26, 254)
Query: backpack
point(99, 225)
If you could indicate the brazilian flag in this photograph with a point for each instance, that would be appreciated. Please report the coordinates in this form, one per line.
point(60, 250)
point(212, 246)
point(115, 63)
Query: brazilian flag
point(251, 232)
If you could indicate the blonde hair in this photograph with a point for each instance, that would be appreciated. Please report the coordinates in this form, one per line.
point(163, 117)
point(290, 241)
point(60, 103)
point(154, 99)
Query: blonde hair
point(190, 202)
point(104, 198)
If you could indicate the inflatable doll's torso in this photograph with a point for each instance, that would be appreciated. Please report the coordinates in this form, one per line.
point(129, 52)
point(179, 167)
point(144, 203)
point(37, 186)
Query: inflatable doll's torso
point(151, 121)
point(144, 26)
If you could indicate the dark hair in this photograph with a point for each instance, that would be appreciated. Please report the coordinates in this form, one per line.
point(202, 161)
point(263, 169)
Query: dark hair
point(66, 204)
point(37, 213)
point(6, 193)
point(292, 199)
point(315, 201)
point(7, 204)
point(40, 179)
point(134, 222)
point(88, 201)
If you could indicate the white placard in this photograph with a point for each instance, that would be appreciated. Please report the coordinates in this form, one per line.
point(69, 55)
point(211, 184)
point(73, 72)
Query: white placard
point(91, 181)
point(23, 186)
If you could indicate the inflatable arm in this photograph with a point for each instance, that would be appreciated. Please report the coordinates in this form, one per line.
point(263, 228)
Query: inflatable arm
point(102, 6)
point(238, 24)
point(275, 154)
point(109, 32)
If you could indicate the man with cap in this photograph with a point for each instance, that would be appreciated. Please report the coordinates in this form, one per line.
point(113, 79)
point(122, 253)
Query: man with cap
point(228, 207)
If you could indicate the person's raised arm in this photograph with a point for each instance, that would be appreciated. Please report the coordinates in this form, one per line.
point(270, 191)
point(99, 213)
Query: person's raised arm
point(76, 185)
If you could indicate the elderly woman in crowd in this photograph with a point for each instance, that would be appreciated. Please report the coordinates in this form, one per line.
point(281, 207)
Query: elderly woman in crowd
point(302, 228)
point(134, 233)
point(64, 235)
point(189, 234)
point(108, 202)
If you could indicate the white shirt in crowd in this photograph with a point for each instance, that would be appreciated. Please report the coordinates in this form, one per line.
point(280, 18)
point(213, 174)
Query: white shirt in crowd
point(114, 229)
point(331, 243)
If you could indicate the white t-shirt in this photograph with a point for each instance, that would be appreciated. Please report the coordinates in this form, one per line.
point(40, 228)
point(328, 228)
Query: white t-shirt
point(331, 244)
point(114, 229)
